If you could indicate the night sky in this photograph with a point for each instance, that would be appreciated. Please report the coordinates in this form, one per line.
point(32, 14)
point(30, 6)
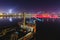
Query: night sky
point(30, 5)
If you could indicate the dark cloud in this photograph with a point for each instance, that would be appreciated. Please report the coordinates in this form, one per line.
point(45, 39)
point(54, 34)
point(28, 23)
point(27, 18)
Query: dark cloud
point(30, 4)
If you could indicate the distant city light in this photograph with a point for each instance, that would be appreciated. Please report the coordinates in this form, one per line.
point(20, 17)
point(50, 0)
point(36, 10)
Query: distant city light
point(39, 19)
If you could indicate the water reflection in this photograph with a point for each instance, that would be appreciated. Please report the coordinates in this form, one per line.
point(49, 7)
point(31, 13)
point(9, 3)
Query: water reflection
point(10, 19)
point(8, 22)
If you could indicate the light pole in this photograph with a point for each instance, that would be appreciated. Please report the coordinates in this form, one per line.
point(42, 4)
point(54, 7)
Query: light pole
point(24, 20)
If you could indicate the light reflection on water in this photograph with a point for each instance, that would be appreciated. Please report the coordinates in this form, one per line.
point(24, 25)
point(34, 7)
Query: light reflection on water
point(9, 21)
point(9, 17)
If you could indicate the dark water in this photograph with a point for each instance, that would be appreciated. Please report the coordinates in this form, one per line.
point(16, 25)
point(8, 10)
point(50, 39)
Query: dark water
point(6, 23)
point(48, 30)
point(9, 22)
